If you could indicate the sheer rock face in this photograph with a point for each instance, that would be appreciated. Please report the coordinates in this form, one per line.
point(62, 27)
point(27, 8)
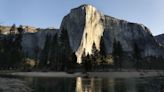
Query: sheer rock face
point(160, 39)
point(129, 33)
point(33, 43)
point(86, 25)
point(33, 39)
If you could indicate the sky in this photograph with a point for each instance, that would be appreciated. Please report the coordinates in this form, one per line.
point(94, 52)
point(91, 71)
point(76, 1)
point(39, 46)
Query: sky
point(49, 13)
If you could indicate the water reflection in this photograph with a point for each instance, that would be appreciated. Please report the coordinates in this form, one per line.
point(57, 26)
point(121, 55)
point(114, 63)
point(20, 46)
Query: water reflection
point(105, 85)
point(80, 84)
point(88, 84)
point(52, 84)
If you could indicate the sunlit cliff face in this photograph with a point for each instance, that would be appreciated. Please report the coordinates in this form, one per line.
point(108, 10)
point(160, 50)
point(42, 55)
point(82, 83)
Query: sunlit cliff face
point(86, 25)
point(93, 30)
point(89, 25)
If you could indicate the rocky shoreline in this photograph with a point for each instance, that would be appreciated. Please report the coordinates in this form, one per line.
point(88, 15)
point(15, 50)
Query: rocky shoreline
point(111, 74)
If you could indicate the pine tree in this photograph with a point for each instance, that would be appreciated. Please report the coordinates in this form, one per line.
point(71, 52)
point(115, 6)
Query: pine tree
point(13, 29)
point(66, 50)
point(12, 48)
point(95, 56)
point(114, 53)
point(103, 53)
point(74, 59)
point(20, 29)
point(1, 54)
point(86, 61)
point(95, 52)
point(44, 58)
point(120, 53)
point(117, 54)
point(83, 56)
point(136, 55)
point(72, 62)
point(18, 45)
point(54, 53)
point(102, 47)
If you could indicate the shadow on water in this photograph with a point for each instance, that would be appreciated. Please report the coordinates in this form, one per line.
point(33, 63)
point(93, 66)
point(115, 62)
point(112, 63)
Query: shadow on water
point(79, 84)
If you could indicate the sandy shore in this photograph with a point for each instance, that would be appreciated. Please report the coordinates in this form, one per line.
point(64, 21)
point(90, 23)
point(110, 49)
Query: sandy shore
point(118, 74)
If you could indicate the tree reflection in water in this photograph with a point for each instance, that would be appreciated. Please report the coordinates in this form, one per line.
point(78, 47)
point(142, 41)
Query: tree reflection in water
point(80, 84)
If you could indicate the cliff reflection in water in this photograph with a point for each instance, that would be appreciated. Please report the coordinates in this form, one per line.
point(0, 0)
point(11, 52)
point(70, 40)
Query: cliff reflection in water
point(105, 85)
point(88, 84)
point(80, 84)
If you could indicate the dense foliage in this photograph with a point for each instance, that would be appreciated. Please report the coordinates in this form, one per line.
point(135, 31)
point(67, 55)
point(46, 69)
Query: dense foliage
point(11, 54)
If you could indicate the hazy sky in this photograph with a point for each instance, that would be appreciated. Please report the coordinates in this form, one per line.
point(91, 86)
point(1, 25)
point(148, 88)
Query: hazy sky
point(49, 13)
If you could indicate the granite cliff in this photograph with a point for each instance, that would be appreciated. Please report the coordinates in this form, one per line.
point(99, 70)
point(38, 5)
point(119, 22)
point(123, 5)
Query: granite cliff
point(86, 25)
point(33, 39)
point(33, 43)
point(160, 39)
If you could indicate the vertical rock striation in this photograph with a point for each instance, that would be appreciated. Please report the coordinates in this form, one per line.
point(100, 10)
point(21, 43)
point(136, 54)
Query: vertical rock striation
point(128, 34)
point(33, 43)
point(86, 25)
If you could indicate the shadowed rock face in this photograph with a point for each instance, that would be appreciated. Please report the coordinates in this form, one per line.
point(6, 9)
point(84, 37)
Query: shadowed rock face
point(33, 39)
point(33, 43)
point(86, 25)
point(160, 39)
point(128, 34)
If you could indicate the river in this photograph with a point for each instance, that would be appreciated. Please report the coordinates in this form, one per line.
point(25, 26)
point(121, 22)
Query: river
point(80, 84)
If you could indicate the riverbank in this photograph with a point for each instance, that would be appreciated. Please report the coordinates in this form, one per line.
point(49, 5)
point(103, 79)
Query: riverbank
point(113, 74)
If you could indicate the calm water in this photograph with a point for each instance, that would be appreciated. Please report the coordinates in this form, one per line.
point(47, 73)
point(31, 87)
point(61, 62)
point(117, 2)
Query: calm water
point(95, 84)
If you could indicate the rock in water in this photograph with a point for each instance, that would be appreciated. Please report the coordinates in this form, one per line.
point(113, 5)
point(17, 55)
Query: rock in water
point(86, 25)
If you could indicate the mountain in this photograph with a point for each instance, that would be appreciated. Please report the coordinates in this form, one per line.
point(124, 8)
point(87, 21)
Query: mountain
point(86, 25)
point(160, 39)
point(33, 39)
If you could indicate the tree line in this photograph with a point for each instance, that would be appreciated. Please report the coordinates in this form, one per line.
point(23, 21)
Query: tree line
point(10, 49)
point(57, 55)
